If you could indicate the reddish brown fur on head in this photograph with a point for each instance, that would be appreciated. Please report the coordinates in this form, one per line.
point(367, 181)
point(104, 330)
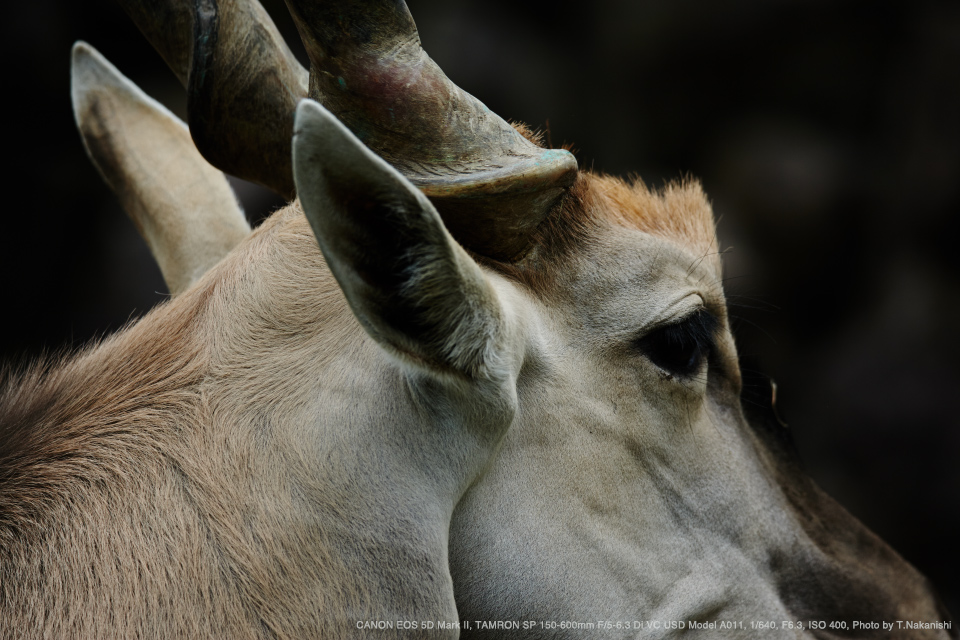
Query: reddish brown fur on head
point(534, 136)
point(680, 213)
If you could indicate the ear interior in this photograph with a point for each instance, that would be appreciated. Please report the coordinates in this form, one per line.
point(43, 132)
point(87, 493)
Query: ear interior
point(413, 288)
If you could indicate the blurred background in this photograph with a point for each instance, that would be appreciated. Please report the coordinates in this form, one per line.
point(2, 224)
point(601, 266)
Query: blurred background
point(826, 133)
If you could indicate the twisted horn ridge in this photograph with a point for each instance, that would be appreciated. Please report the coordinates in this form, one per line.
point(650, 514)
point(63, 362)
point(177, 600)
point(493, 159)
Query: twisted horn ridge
point(491, 185)
point(243, 82)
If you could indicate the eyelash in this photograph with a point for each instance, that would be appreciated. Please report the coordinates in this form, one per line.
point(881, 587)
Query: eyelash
point(680, 348)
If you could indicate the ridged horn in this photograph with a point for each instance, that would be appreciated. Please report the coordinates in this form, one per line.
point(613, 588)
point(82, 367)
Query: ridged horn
point(243, 82)
point(491, 185)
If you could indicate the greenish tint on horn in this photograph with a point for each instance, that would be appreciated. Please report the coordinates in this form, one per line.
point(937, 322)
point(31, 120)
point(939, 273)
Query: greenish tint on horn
point(243, 82)
point(491, 185)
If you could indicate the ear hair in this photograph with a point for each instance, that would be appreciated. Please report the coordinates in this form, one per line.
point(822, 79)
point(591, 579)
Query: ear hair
point(412, 287)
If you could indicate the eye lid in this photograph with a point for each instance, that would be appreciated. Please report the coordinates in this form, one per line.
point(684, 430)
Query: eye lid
point(700, 317)
point(680, 346)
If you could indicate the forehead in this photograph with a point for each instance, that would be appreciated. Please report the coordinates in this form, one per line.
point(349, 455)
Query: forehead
point(631, 279)
point(680, 212)
point(622, 240)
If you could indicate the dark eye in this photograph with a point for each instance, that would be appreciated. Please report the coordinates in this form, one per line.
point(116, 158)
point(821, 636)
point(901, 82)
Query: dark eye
point(680, 348)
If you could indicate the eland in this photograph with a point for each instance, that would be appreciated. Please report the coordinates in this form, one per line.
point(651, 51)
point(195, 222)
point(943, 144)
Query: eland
point(457, 385)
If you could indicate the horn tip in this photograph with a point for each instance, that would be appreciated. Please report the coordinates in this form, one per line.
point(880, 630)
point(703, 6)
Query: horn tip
point(548, 168)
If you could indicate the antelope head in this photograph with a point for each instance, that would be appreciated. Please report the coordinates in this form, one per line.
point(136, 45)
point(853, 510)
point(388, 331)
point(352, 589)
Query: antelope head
point(506, 387)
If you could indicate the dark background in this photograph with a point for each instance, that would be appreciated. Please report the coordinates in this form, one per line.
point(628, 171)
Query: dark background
point(826, 133)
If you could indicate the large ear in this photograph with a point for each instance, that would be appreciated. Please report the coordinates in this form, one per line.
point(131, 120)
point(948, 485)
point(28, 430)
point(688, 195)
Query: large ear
point(183, 207)
point(413, 288)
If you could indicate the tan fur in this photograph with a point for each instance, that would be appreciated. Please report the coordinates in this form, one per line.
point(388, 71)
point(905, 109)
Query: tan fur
point(191, 476)
point(242, 462)
point(93, 508)
point(122, 461)
point(625, 491)
point(278, 453)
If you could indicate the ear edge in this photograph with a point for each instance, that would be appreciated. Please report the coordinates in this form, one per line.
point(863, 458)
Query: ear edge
point(408, 282)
